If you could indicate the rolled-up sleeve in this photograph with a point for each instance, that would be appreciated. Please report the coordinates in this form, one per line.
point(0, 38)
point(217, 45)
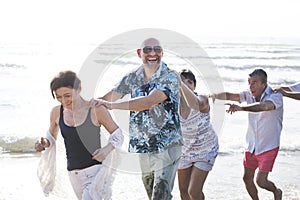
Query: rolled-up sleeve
point(276, 99)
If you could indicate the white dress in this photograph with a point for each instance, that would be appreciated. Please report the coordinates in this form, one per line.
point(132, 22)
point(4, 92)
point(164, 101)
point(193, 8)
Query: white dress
point(200, 139)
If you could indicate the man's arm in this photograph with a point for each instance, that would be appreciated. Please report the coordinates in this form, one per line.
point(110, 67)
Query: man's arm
point(112, 96)
point(255, 107)
point(108, 97)
point(139, 103)
point(226, 96)
point(285, 88)
point(292, 95)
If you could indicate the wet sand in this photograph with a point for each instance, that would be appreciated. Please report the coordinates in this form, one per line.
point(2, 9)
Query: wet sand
point(19, 179)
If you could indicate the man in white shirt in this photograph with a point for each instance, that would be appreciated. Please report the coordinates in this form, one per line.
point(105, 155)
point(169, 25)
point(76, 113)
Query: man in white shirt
point(292, 91)
point(265, 116)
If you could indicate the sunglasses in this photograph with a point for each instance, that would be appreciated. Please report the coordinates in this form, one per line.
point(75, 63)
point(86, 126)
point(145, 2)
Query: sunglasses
point(156, 49)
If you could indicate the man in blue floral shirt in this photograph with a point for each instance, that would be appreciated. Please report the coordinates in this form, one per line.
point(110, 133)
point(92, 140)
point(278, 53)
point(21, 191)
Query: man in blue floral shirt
point(154, 121)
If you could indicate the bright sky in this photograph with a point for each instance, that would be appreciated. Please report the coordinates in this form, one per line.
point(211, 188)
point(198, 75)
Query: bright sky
point(97, 21)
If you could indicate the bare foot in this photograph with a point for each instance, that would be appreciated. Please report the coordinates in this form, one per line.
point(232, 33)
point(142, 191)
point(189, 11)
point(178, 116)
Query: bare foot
point(278, 194)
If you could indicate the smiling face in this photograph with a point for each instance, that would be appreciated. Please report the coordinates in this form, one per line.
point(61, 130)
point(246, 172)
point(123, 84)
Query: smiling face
point(151, 52)
point(256, 86)
point(65, 87)
point(67, 96)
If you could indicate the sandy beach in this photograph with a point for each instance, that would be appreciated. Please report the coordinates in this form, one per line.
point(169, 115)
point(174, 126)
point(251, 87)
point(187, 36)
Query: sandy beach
point(19, 179)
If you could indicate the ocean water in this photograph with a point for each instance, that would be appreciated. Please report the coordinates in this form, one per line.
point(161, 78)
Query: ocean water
point(26, 70)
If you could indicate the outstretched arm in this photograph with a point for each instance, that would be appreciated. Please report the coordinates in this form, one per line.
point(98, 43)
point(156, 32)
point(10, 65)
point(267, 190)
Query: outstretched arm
point(111, 96)
point(255, 107)
point(139, 103)
point(225, 96)
point(292, 95)
point(285, 88)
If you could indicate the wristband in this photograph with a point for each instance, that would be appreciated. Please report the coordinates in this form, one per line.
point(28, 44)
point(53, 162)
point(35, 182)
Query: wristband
point(116, 138)
point(50, 138)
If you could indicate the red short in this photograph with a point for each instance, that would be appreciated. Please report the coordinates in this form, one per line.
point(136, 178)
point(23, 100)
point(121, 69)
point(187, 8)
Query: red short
point(264, 161)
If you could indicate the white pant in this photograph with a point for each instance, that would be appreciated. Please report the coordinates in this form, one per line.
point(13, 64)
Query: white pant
point(82, 179)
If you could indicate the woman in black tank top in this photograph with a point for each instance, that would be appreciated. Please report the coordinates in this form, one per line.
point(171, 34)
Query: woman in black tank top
point(79, 124)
